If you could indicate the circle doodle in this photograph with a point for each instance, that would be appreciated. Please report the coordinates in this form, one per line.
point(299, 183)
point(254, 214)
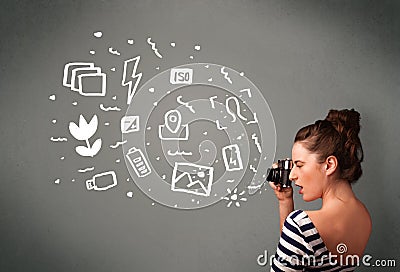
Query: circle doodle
point(214, 129)
point(341, 248)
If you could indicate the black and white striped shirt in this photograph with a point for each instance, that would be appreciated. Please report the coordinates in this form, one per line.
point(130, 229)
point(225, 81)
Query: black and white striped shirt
point(301, 248)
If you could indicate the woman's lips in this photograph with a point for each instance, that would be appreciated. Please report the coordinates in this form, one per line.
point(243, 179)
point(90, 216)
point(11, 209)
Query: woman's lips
point(301, 189)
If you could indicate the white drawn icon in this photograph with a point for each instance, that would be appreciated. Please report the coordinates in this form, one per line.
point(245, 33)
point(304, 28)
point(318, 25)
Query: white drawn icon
point(138, 162)
point(232, 158)
point(102, 181)
point(226, 75)
point(186, 104)
point(255, 121)
point(130, 78)
point(256, 142)
point(85, 78)
point(179, 153)
point(154, 47)
point(75, 85)
point(237, 109)
point(172, 127)
point(87, 169)
point(212, 98)
point(181, 76)
point(113, 51)
point(234, 197)
point(83, 132)
point(247, 90)
point(69, 67)
point(219, 126)
point(98, 34)
point(192, 178)
point(129, 124)
point(103, 108)
point(92, 79)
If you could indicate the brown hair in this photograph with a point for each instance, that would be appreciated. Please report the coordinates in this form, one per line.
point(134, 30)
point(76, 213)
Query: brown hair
point(336, 135)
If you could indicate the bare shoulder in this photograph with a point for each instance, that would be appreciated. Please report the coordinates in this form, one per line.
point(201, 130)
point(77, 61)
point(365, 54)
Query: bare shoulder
point(353, 213)
point(363, 215)
point(349, 223)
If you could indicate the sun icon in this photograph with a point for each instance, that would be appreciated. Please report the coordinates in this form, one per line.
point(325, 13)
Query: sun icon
point(234, 197)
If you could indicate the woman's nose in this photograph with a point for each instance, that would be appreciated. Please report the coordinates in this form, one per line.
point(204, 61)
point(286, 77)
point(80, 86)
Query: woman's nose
point(292, 175)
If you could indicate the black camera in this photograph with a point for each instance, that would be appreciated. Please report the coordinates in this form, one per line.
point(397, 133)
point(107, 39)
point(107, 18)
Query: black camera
point(279, 174)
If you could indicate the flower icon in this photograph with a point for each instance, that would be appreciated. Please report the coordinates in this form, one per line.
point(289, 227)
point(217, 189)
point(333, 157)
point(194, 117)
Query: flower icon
point(234, 197)
point(83, 132)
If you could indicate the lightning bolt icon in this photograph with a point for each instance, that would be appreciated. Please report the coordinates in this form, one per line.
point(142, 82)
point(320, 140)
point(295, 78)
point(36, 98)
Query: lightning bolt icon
point(232, 161)
point(130, 78)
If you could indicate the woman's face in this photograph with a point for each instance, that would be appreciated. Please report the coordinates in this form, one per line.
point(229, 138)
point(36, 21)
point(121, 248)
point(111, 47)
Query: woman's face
point(307, 172)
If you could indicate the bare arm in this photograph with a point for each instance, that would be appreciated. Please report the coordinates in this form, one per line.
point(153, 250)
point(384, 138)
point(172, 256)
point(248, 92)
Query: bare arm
point(285, 208)
point(286, 203)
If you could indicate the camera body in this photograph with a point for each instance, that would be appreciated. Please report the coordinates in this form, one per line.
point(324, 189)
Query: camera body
point(279, 175)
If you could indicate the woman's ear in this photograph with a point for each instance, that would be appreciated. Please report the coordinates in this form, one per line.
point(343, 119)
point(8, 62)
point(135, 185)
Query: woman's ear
point(331, 164)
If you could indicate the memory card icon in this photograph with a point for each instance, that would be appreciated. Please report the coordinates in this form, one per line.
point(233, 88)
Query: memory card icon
point(232, 158)
point(129, 124)
point(138, 162)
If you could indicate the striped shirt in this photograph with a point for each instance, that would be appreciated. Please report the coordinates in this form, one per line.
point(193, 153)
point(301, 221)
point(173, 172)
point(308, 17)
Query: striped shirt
point(301, 248)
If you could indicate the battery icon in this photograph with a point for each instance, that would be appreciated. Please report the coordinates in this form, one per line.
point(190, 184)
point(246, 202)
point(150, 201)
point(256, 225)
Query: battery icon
point(138, 162)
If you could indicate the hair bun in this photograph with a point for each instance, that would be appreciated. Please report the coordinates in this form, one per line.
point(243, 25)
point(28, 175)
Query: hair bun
point(347, 123)
point(345, 120)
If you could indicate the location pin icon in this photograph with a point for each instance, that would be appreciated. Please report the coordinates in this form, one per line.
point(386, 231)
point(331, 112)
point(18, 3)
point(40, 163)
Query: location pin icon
point(172, 120)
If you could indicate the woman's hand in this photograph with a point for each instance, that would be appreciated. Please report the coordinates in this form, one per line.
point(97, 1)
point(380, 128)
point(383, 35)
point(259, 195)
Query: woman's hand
point(282, 194)
point(285, 198)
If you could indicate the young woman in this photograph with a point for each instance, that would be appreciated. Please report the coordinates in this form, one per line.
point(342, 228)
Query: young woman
point(327, 158)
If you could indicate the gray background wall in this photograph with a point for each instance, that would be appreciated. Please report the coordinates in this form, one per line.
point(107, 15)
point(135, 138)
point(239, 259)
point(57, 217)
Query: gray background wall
point(305, 56)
